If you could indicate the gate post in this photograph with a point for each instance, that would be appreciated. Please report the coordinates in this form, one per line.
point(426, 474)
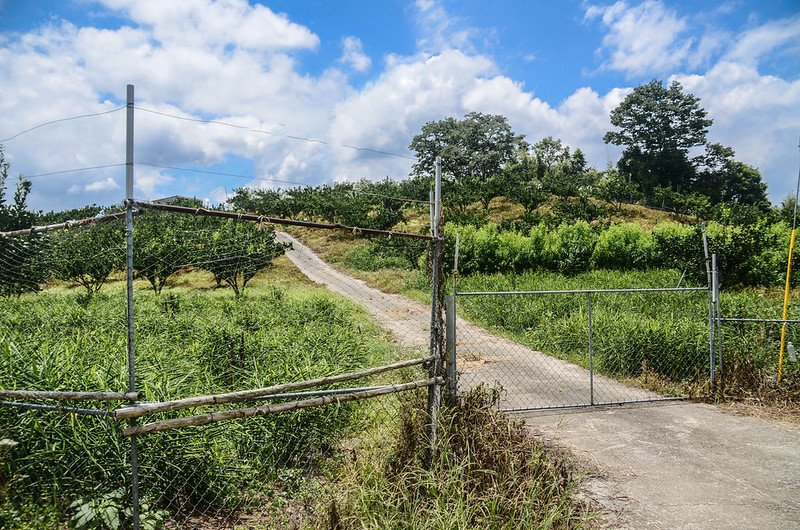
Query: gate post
point(450, 336)
point(591, 348)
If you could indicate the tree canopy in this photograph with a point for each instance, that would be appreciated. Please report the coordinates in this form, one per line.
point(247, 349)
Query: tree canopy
point(658, 125)
point(474, 152)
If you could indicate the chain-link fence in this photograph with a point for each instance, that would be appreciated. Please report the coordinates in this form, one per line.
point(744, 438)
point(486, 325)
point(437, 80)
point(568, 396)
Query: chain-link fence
point(256, 365)
point(552, 349)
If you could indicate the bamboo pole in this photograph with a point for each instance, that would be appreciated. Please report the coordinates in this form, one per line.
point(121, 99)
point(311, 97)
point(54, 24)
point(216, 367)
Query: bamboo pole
point(145, 409)
point(61, 226)
point(215, 417)
point(275, 220)
point(69, 396)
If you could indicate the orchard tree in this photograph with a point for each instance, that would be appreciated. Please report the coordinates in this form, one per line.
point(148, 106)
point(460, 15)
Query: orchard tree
point(474, 152)
point(658, 126)
point(23, 268)
point(87, 255)
point(617, 189)
point(560, 171)
point(234, 251)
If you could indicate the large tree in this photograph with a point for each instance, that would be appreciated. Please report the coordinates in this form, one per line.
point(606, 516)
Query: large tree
point(474, 152)
point(725, 180)
point(658, 126)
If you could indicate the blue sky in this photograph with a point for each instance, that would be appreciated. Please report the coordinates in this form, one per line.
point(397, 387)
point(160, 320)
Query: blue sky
point(368, 74)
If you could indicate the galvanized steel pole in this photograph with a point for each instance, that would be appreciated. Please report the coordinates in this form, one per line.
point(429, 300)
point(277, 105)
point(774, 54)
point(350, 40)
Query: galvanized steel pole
point(591, 349)
point(718, 320)
point(129, 281)
point(710, 284)
point(435, 391)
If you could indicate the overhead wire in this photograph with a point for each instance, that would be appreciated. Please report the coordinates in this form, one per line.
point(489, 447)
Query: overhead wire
point(61, 120)
point(273, 133)
point(75, 170)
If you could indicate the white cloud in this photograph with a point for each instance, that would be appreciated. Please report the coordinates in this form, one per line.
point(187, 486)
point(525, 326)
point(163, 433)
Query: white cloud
point(216, 24)
point(183, 63)
point(754, 44)
point(644, 39)
point(438, 30)
point(106, 184)
point(353, 54)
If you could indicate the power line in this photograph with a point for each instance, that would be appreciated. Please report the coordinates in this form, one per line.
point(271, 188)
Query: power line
point(273, 133)
point(219, 173)
point(60, 120)
point(378, 151)
point(73, 170)
point(197, 120)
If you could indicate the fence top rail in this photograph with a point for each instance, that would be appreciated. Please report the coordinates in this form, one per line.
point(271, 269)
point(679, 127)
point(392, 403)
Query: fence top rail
point(214, 417)
point(61, 226)
point(587, 291)
point(763, 320)
point(276, 220)
point(69, 395)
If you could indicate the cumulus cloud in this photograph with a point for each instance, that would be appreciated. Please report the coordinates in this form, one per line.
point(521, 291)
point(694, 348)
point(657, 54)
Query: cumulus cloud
point(214, 24)
point(353, 54)
point(294, 127)
point(642, 39)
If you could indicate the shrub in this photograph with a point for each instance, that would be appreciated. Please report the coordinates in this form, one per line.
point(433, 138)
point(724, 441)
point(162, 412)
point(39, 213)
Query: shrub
point(368, 258)
point(625, 246)
point(678, 246)
point(570, 247)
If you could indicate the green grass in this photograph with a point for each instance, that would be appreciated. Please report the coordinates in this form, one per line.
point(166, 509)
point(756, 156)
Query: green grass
point(188, 342)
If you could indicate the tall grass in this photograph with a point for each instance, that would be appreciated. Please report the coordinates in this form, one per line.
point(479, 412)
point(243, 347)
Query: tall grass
point(488, 472)
point(188, 343)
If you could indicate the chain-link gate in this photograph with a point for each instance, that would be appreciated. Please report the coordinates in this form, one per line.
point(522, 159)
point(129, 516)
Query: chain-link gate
point(595, 357)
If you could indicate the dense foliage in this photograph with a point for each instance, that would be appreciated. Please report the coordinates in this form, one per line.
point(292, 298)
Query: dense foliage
point(747, 255)
point(194, 343)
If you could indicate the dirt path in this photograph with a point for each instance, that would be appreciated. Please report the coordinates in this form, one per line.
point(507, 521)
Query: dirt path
point(677, 465)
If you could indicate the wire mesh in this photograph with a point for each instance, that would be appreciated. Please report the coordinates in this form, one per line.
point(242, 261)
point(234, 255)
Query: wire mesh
point(59, 331)
point(220, 305)
point(575, 349)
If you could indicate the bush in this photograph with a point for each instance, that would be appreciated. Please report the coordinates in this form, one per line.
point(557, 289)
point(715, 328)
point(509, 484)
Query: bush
point(679, 246)
point(367, 258)
point(570, 247)
point(625, 247)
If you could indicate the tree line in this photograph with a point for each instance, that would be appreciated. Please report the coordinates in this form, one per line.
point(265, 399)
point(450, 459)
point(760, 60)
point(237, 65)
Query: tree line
point(233, 252)
point(667, 162)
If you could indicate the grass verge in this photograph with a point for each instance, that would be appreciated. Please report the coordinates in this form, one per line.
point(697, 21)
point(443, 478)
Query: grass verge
point(488, 472)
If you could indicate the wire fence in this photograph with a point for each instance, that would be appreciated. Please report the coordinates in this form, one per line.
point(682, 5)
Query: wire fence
point(593, 356)
point(256, 364)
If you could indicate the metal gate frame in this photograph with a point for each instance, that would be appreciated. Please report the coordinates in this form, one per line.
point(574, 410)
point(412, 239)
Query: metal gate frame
point(593, 399)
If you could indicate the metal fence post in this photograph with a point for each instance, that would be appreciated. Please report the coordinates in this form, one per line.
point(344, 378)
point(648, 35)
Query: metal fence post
point(436, 346)
point(710, 283)
point(450, 336)
point(718, 320)
point(129, 289)
point(591, 349)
